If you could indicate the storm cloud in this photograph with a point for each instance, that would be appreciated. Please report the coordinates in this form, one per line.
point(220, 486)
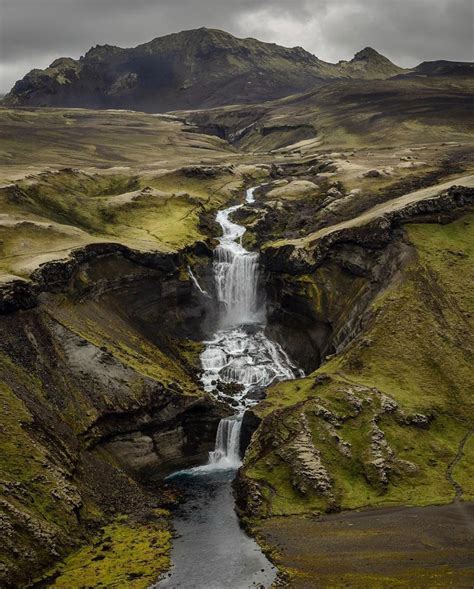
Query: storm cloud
point(34, 32)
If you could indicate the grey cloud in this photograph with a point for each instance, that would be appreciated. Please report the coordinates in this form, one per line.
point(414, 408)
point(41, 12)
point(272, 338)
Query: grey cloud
point(407, 31)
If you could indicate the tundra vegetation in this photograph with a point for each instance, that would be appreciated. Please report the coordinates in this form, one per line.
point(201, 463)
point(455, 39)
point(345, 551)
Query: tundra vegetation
point(364, 221)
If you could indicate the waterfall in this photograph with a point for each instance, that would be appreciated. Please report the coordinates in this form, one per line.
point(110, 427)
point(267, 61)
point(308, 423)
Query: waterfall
point(235, 274)
point(226, 451)
point(196, 283)
point(236, 278)
point(239, 358)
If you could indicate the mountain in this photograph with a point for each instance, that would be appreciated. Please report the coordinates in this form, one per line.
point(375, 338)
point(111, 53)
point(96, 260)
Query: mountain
point(368, 64)
point(441, 68)
point(192, 69)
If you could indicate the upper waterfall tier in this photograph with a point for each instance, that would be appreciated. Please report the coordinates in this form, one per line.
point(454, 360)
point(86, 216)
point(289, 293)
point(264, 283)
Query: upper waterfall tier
point(236, 275)
point(240, 357)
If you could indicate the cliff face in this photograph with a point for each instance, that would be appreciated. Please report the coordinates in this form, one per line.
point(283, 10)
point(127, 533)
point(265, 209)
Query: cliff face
point(97, 371)
point(382, 323)
point(198, 68)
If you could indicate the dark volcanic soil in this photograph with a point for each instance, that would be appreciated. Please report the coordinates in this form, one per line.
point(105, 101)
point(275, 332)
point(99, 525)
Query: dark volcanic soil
point(392, 547)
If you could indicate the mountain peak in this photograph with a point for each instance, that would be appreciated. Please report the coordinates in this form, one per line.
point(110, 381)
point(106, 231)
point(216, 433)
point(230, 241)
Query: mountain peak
point(99, 52)
point(369, 64)
point(368, 53)
point(196, 68)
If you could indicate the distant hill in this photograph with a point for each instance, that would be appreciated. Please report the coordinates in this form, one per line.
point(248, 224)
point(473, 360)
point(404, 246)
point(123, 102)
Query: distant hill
point(441, 68)
point(368, 64)
point(191, 69)
point(350, 114)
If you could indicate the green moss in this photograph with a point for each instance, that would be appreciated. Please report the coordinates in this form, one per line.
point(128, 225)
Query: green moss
point(72, 198)
point(124, 554)
point(463, 471)
point(36, 495)
point(418, 350)
point(57, 212)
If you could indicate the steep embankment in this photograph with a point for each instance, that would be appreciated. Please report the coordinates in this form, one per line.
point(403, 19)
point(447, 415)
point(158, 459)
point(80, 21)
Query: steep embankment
point(383, 421)
point(98, 364)
point(98, 380)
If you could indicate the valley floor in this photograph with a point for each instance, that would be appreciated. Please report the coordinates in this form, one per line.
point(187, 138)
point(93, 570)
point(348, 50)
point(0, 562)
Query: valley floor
point(388, 547)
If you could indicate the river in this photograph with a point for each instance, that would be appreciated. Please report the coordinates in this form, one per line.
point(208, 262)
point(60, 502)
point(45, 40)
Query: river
point(211, 551)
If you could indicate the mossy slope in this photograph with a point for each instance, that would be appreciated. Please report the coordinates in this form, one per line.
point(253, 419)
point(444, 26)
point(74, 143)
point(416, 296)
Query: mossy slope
point(123, 554)
point(77, 372)
point(381, 423)
point(46, 216)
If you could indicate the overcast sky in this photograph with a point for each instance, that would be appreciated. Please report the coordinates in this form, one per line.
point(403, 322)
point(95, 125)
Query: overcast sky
point(34, 32)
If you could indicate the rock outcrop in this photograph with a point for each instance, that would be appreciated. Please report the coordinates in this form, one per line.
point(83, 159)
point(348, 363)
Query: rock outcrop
point(373, 229)
point(357, 261)
point(98, 391)
point(376, 307)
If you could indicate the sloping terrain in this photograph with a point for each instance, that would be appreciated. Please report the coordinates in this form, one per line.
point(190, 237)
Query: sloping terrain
point(99, 321)
point(366, 254)
point(348, 115)
point(35, 140)
point(387, 417)
point(95, 390)
point(191, 69)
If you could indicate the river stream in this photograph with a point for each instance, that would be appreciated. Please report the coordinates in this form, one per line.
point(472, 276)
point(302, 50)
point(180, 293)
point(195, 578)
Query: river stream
point(211, 550)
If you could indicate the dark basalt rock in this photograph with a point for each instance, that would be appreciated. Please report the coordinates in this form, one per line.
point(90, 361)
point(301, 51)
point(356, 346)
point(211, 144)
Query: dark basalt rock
point(56, 276)
point(250, 422)
point(231, 389)
point(17, 294)
point(256, 394)
point(204, 172)
point(79, 345)
point(374, 234)
point(355, 262)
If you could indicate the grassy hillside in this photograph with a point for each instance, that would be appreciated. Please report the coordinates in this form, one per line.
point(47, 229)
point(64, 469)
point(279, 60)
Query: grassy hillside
point(385, 422)
point(348, 115)
point(45, 216)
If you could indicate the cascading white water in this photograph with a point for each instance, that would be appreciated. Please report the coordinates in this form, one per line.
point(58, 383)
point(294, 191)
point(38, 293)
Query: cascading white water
point(237, 360)
point(226, 451)
point(239, 353)
point(235, 274)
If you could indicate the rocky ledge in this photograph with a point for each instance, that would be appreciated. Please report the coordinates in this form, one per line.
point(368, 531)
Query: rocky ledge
point(99, 390)
point(55, 276)
point(373, 229)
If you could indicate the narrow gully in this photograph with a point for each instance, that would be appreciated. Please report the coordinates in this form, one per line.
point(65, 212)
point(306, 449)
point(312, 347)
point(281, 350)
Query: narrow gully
point(211, 550)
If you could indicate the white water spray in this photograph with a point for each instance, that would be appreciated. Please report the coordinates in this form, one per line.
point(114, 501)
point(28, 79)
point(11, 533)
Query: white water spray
point(239, 358)
point(226, 452)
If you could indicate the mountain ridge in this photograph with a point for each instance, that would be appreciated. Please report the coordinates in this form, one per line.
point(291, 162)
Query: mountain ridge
point(189, 69)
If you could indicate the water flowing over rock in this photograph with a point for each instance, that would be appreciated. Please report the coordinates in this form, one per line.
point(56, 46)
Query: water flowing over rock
point(239, 353)
point(227, 442)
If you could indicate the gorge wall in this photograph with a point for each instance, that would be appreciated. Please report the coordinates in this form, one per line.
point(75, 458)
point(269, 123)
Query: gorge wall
point(378, 315)
point(98, 358)
point(99, 361)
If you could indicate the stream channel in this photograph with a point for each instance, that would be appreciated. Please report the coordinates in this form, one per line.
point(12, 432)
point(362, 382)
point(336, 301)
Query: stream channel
point(211, 550)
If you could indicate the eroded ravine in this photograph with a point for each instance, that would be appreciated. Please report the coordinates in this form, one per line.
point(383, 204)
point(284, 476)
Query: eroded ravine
point(238, 362)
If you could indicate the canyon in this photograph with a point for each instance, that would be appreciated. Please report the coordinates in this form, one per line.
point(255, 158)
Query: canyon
point(237, 325)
